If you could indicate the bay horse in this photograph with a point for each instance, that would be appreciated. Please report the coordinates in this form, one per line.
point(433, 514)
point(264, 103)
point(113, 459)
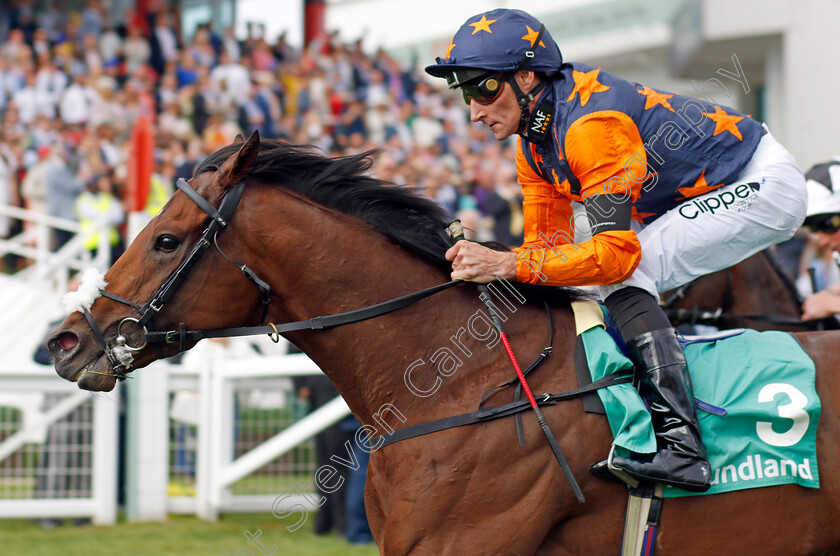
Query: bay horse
point(327, 238)
point(755, 293)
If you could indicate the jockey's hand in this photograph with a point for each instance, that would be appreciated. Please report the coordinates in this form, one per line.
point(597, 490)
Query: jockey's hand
point(475, 263)
point(820, 305)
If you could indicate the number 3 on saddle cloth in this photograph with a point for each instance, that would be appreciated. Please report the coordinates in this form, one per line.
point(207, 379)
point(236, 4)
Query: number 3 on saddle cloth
point(763, 382)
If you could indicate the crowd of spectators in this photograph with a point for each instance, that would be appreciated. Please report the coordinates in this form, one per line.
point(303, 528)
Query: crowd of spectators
point(73, 85)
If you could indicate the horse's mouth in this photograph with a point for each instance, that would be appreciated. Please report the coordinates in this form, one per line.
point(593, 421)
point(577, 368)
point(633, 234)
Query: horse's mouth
point(96, 375)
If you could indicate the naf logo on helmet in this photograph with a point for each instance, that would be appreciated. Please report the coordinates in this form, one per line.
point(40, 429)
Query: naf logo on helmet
point(540, 121)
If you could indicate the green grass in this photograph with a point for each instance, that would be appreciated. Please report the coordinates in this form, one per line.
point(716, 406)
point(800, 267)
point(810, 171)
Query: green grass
point(179, 535)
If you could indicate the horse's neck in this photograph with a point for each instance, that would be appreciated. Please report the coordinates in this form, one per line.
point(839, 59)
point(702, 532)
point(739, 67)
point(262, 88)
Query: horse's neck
point(344, 266)
point(329, 263)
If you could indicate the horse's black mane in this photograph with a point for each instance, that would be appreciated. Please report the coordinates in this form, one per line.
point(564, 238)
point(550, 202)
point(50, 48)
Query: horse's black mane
point(414, 222)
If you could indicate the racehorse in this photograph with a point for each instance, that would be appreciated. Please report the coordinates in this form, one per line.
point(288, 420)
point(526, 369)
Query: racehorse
point(755, 293)
point(327, 238)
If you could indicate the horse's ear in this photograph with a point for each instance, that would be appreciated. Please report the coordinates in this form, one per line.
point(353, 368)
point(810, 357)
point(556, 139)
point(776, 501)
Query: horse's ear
point(238, 139)
point(237, 165)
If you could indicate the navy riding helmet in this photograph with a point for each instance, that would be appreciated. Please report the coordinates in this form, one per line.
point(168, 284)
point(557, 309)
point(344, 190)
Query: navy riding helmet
point(489, 48)
point(500, 41)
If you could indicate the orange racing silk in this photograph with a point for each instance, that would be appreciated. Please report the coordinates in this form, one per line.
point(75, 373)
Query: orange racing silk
point(549, 255)
point(611, 137)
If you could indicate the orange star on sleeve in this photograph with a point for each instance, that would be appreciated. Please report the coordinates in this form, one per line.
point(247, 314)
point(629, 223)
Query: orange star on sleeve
point(653, 98)
point(531, 37)
point(449, 49)
point(700, 186)
point(482, 24)
point(726, 122)
point(586, 83)
point(640, 216)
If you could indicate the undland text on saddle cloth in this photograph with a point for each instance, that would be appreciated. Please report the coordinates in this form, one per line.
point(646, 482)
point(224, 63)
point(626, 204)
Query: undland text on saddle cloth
point(755, 467)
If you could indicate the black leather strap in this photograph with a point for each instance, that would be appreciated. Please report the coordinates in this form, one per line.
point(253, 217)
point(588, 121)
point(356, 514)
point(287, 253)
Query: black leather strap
point(493, 413)
point(218, 222)
point(218, 215)
point(316, 323)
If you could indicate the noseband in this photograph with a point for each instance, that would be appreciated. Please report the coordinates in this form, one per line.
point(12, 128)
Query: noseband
point(120, 354)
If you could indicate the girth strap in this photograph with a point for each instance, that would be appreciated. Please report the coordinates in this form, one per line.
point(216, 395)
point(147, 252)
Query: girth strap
point(317, 323)
point(483, 415)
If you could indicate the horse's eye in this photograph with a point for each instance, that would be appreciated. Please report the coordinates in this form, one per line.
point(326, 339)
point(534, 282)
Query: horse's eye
point(166, 244)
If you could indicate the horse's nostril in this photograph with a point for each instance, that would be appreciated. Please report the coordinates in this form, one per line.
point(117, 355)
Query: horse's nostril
point(67, 341)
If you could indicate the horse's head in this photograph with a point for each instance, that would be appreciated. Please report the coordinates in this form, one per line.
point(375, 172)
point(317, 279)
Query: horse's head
point(171, 274)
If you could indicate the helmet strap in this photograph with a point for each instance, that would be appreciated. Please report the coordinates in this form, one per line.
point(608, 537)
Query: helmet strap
point(532, 133)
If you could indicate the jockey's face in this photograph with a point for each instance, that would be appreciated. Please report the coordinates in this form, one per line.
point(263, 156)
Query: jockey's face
point(502, 115)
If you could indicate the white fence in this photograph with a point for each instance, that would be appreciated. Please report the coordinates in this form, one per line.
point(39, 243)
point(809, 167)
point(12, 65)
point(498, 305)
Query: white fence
point(246, 424)
point(224, 437)
point(58, 456)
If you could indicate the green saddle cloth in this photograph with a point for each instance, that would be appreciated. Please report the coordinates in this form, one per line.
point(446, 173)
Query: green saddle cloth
point(764, 381)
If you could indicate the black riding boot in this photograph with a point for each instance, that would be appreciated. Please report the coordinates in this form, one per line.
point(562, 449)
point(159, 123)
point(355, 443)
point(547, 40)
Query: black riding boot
point(664, 382)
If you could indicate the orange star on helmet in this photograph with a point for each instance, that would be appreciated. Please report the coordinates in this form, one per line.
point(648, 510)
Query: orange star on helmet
point(482, 24)
point(531, 37)
point(449, 49)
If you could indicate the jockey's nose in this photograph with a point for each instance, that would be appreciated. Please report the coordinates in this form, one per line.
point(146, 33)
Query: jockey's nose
point(476, 111)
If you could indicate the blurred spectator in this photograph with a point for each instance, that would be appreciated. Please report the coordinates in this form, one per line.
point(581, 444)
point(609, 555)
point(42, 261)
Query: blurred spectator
point(318, 391)
point(231, 46)
point(99, 211)
point(135, 49)
point(357, 530)
point(62, 189)
point(31, 101)
point(92, 19)
point(823, 220)
point(7, 188)
point(50, 81)
point(34, 186)
point(79, 101)
point(15, 50)
point(163, 43)
point(110, 46)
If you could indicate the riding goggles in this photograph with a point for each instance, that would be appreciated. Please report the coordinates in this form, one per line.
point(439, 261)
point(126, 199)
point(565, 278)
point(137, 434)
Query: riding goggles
point(484, 91)
point(826, 223)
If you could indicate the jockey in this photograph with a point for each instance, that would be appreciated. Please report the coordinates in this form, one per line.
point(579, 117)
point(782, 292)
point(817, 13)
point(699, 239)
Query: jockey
point(673, 188)
point(823, 219)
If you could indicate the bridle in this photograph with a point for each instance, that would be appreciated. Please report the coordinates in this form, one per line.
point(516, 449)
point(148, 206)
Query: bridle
point(120, 354)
